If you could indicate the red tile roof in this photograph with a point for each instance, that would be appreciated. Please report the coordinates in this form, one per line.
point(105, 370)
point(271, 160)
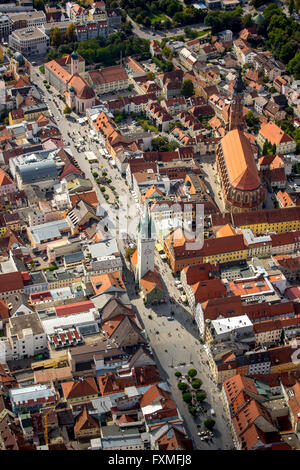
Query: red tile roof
point(71, 309)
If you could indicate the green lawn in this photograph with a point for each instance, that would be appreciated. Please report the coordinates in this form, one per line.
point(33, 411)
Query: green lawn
point(157, 17)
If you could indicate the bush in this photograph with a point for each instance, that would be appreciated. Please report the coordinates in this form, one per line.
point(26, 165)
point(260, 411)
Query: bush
point(102, 189)
point(182, 386)
point(200, 397)
point(209, 424)
point(45, 81)
point(193, 411)
point(196, 384)
point(104, 173)
point(108, 181)
point(42, 69)
point(187, 397)
point(178, 374)
point(95, 174)
point(192, 372)
point(48, 87)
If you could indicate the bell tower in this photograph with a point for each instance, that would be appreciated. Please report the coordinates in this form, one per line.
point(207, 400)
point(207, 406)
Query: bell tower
point(236, 120)
point(74, 63)
point(145, 246)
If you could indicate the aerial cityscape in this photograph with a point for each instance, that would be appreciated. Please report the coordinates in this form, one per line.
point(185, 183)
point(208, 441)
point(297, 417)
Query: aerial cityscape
point(150, 225)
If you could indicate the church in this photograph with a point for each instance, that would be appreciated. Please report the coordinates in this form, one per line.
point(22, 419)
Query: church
point(142, 261)
point(65, 74)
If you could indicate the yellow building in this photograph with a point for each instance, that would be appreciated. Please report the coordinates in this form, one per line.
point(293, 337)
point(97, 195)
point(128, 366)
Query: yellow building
point(274, 220)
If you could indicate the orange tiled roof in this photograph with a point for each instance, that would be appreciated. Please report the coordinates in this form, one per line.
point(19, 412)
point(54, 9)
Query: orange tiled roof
point(271, 132)
point(102, 282)
point(151, 280)
point(240, 163)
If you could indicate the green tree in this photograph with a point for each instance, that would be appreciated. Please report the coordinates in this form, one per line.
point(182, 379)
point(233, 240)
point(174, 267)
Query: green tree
point(70, 34)
point(200, 396)
point(187, 397)
point(192, 373)
point(150, 76)
point(193, 411)
point(67, 110)
point(167, 52)
point(42, 69)
point(187, 88)
point(196, 384)
point(291, 7)
point(55, 37)
point(209, 424)
point(129, 253)
point(247, 21)
point(178, 374)
point(182, 386)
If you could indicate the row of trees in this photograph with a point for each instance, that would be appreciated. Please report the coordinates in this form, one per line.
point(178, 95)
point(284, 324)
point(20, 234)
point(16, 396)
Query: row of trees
point(162, 14)
point(220, 20)
point(57, 37)
point(105, 51)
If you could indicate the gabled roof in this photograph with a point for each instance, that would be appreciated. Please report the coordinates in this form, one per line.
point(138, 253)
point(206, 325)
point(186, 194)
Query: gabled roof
point(4, 178)
point(80, 388)
point(239, 160)
point(85, 421)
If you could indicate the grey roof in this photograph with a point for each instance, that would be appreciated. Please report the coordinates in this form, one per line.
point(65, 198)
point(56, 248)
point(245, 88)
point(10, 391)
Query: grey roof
point(115, 431)
point(74, 257)
point(49, 230)
point(20, 323)
point(21, 395)
point(38, 171)
point(104, 248)
point(101, 300)
point(37, 277)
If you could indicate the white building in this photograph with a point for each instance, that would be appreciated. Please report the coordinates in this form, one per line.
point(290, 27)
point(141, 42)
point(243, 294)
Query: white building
point(29, 42)
point(30, 19)
point(225, 329)
point(25, 337)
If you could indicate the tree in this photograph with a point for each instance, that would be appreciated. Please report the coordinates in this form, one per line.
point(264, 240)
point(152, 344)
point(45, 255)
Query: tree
point(182, 386)
point(196, 384)
point(193, 411)
point(187, 397)
point(192, 373)
point(247, 21)
point(67, 110)
point(42, 69)
point(55, 37)
point(166, 51)
point(200, 396)
point(70, 34)
point(178, 374)
point(150, 76)
point(291, 7)
point(187, 88)
point(129, 253)
point(209, 424)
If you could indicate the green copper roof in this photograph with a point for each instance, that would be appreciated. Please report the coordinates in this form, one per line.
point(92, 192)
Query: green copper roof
point(146, 226)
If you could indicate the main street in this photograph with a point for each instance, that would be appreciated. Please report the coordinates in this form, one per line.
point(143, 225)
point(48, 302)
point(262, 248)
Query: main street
point(177, 341)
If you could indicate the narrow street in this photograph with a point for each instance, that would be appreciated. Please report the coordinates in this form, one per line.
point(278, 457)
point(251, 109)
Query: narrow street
point(177, 341)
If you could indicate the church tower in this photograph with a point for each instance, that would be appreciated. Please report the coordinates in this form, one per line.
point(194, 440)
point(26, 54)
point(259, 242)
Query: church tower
point(145, 246)
point(74, 63)
point(236, 120)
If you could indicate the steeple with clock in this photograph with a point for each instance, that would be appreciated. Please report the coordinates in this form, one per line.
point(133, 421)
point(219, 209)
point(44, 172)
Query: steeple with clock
point(145, 245)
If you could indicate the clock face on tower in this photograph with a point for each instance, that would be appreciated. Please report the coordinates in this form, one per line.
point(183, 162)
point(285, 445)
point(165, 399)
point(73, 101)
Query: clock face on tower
point(147, 251)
